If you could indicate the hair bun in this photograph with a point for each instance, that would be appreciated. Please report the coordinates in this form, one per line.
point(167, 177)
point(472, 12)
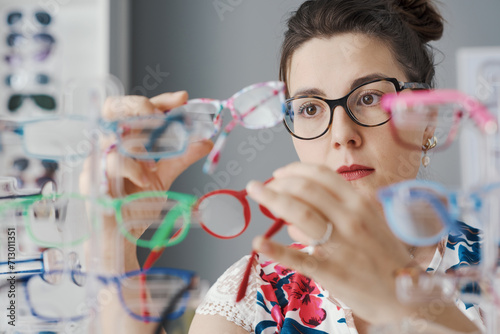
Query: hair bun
point(422, 17)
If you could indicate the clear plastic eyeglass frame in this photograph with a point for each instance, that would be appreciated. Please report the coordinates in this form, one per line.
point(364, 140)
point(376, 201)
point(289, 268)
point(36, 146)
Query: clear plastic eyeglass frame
point(258, 106)
point(152, 137)
point(421, 213)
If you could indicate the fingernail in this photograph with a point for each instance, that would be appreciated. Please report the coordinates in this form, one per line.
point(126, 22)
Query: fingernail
point(261, 245)
point(255, 187)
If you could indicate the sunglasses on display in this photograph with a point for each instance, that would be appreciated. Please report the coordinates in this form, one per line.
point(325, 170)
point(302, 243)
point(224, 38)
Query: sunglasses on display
point(16, 59)
point(20, 166)
point(9, 189)
point(18, 81)
point(41, 17)
point(45, 102)
point(40, 40)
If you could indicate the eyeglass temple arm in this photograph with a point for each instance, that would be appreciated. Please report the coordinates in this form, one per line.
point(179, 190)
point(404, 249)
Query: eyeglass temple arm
point(214, 155)
point(481, 115)
point(278, 224)
point(160, 235)
point(413, 85)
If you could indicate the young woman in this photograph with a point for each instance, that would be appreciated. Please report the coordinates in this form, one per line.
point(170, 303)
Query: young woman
point(333, 49)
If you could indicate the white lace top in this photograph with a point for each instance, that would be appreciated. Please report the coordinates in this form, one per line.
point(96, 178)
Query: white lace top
point(281, 300)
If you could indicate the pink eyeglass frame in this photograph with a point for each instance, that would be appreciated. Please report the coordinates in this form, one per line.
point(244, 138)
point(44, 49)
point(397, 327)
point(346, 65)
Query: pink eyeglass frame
point(480, 115)
point(278, 89)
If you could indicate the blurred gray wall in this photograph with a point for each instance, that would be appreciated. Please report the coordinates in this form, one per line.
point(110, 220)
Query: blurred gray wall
point(215, 52)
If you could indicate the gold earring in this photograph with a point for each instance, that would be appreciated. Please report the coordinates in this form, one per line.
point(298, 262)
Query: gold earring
point(431, 143)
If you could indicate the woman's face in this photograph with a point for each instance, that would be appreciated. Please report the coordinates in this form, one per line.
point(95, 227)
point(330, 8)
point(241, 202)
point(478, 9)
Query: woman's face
point(331, 68)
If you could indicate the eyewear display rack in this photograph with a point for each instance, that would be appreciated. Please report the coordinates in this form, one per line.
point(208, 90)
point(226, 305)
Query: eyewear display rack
point(45, 45)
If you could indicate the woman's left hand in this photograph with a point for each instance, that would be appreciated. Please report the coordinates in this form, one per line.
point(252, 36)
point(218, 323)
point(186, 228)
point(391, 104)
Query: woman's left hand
point(358, 262)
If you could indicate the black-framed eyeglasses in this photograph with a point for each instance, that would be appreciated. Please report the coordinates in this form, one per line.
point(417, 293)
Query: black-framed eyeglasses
point(309, 117)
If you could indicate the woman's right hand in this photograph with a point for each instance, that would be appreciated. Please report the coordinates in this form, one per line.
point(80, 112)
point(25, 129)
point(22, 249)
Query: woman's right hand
point(130, 175)
point(126, 175)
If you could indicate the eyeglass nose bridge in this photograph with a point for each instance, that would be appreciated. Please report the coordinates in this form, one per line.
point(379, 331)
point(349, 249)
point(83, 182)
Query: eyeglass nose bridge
point(343, 103)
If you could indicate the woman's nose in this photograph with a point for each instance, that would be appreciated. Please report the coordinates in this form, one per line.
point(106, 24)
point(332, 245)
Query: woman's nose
point(343, 130)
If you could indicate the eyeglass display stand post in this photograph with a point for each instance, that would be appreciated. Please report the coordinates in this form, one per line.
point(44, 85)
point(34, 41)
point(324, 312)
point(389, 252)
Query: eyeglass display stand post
point(479, 76)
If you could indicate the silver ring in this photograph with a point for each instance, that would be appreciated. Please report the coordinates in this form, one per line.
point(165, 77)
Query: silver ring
point(326, 236)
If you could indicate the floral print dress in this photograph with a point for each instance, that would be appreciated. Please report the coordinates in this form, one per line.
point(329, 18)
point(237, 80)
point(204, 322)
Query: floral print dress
point(281, 300)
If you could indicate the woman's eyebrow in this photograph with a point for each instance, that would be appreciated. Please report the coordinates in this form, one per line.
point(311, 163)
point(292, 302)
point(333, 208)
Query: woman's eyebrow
point(361, 80)
point(309, 91)
point(355, 83)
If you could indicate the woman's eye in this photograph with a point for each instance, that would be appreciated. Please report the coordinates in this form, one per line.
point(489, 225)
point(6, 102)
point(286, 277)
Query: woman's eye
point(310, 109)
point(369, 99)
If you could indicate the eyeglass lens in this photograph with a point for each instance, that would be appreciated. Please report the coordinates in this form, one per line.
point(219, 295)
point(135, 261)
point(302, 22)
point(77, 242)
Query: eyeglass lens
point(419, 213)
point(260, 107)
point(439, 120)
point(222, 214)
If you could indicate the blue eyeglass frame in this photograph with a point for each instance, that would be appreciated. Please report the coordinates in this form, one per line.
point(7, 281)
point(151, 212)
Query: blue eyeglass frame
point(164, 121)
point(185, 275)
point(18, 128)
point(417, 190)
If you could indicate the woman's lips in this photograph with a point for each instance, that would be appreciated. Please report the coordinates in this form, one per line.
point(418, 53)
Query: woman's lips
point(354, 172)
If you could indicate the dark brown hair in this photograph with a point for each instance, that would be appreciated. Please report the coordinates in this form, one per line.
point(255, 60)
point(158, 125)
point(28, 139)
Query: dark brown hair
point(406, 26)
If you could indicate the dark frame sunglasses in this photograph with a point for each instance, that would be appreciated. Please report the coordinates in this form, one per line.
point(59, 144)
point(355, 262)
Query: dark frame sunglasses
point(44, 101)
point(42, 17)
